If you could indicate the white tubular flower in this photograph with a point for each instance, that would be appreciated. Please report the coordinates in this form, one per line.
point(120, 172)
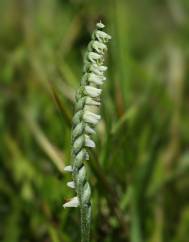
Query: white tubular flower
point(73, 203)
point(92, 91)
point(90, 117)
point(93, 67)
point(98, 69)
point(89, 142)
point(96, 79)
point(99, 47)
point(68, 169)
point(100, 25)
point(102, 36)
point(90, 101)
point(93, 57)
point(71, 184)
point(89, 130)
point(102, 68)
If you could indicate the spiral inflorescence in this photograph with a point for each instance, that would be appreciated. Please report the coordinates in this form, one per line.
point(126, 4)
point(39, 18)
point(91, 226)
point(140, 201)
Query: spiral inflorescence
point(84, 122)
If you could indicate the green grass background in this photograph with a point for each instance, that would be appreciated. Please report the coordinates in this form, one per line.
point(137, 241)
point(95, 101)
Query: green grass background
point(139, 172)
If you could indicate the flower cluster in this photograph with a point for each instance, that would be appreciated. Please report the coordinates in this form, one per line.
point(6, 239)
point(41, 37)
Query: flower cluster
point(85, 120)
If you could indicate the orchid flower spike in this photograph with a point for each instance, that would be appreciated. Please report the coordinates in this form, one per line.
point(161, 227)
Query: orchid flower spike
point(84, 122)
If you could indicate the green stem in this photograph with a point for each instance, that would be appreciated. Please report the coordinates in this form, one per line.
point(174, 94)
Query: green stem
point(85, 222)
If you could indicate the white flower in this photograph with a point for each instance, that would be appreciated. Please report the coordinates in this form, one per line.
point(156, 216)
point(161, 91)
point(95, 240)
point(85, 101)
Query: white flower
point(93, 57)
point(90, 101)
point(102, 36)
point(99, 80)
point(93, 67)
point(89, 130)
point(68, 169)
point(102, 68)
point(98, 69)
point(71, 184)
point(100, 25)
point(90, 117)
point(89, 142)
point(73, 203)
point(99, 46)
point(92, 91)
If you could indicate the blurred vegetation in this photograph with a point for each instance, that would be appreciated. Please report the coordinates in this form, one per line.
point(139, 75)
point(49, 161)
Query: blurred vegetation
point(139, 171)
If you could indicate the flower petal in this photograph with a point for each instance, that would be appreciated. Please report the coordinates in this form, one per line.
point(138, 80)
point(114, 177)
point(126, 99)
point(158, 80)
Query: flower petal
point(73, 203)
point(71, 184)
point(98, 46)
point(89, 130)
point(100, 25)
point(90, 101)
point(97, 79)
point(92, 91)
point(68, 169)
point(102, 36)
point(93, 57)
point(89, 142)
point(90, 117)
